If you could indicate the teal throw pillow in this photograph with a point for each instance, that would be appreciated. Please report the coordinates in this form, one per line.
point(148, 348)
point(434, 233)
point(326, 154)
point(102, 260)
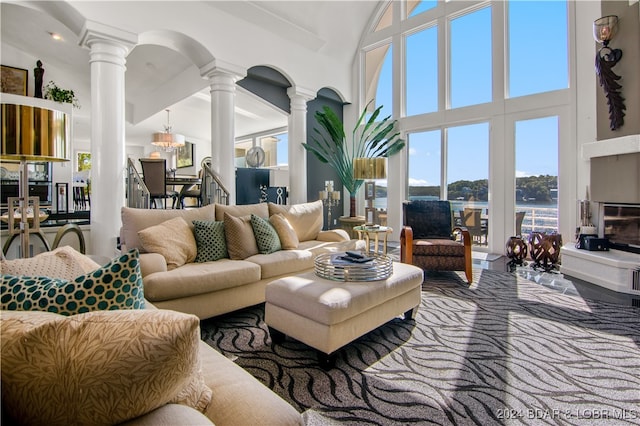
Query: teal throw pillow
point(210, 240)
point(116, 285)
point(266, 235)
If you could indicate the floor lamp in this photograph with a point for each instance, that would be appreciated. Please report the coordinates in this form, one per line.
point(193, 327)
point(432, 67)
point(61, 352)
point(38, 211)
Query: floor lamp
point(369, 168)
point(31, 133)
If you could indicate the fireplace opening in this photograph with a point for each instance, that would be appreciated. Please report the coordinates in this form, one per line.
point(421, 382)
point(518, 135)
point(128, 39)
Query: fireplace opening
point(621, 225)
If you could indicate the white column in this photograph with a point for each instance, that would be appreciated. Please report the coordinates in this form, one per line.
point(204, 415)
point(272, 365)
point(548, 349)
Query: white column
point(222, 81)
point(108, 49)
point(297, 135)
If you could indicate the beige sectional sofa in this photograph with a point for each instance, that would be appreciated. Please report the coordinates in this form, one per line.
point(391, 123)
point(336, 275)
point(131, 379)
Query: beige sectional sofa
point(207, 289)
point(137, 366)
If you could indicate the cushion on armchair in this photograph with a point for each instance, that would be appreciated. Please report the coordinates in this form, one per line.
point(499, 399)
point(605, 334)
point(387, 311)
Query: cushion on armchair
point(427, 241)
point(428, 218)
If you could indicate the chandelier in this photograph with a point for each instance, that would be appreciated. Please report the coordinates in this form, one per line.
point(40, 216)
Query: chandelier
point(166, 140)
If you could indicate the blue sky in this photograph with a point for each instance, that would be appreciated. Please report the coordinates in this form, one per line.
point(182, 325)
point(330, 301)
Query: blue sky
point(537, 63)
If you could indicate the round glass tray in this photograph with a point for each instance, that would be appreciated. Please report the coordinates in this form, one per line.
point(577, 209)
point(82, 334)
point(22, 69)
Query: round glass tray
point(331, 267)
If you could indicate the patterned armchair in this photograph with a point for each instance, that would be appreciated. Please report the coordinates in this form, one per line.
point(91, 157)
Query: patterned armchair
point(427, 238)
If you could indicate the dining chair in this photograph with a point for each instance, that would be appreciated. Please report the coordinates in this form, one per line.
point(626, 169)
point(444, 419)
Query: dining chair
point(428, 238)
point(191, 191)
point(154, 175)
point(519, 220)
point(472, 220)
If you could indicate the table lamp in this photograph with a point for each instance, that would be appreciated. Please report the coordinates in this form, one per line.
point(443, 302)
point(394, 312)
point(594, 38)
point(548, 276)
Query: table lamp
point(31, 133)
point(369, 168)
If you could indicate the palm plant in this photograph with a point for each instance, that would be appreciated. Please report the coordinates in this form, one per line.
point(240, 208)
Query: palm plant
point(374, 139)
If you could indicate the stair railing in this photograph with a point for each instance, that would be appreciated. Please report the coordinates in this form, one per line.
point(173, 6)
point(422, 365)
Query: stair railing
point(138, 195)
point(212, 190)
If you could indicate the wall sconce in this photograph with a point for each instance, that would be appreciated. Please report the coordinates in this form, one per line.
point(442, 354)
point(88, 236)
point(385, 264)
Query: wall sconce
point(604, 29)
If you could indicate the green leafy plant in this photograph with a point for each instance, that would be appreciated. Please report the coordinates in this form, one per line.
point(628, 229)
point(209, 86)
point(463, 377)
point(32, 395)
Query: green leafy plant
point(54, 93)
point(373, 139)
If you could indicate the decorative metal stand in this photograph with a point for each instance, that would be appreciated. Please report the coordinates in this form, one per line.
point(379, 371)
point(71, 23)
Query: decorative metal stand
point(263, 193)
point(545, 249)
point(516, 251)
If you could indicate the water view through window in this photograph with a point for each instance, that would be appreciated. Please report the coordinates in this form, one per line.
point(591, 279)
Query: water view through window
point(456, 131)
point(537, 175)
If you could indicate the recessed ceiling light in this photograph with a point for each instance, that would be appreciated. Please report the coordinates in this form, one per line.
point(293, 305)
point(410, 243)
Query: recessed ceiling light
point(55, 36)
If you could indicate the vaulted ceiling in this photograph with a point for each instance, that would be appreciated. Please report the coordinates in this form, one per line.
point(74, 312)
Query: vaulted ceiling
point(313, 43)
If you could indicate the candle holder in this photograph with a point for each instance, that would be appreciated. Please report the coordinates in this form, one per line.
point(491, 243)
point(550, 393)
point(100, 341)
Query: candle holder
point(330, 199)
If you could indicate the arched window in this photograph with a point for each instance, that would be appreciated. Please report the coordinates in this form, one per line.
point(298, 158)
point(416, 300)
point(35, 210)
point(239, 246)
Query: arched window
point(473, 85)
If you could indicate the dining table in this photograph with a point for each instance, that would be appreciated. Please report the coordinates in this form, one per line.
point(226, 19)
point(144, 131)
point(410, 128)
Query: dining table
point(185, 181)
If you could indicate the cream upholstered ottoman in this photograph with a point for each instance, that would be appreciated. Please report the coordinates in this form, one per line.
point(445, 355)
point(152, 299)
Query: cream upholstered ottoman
point(327, 315)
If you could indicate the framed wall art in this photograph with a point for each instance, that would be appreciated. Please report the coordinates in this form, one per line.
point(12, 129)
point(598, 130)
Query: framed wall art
point(184, 155)
point(14, 80)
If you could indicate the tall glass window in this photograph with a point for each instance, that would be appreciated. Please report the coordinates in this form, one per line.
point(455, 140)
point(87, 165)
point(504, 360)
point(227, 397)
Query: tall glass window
point(386, 19)
point(446, 156)
point(468, 178)
point(471, 59)
point(379, 78)
point(422, 72)
point(416, 7)
point(282, 149)
point(424, 165)
point(538, 50)
point(536, 175)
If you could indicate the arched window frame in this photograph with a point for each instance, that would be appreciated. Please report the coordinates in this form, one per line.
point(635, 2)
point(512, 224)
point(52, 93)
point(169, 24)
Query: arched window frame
point(500, 113)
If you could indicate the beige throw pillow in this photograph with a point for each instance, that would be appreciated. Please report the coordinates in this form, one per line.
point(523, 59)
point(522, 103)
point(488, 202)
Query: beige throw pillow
point(64, 262)
point(286, 233)
point(241, 242)
point(306, 218)
point(124, 364)
point(259, 209)
point(173, 239)
point(135, 220)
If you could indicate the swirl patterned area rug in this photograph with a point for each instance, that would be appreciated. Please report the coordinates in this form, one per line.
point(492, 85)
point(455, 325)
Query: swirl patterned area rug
point(502, 351)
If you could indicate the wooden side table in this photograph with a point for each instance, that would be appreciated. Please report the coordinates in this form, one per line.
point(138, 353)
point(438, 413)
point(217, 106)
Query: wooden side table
point(347, 223)
point(367, 232)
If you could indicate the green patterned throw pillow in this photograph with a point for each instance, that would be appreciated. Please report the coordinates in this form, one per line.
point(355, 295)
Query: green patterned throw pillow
point(266, 235)
point(116, 285)
point(210, 240)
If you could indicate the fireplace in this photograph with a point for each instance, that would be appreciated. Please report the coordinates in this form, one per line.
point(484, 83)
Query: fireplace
point(621, 225)
point(615, 197)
